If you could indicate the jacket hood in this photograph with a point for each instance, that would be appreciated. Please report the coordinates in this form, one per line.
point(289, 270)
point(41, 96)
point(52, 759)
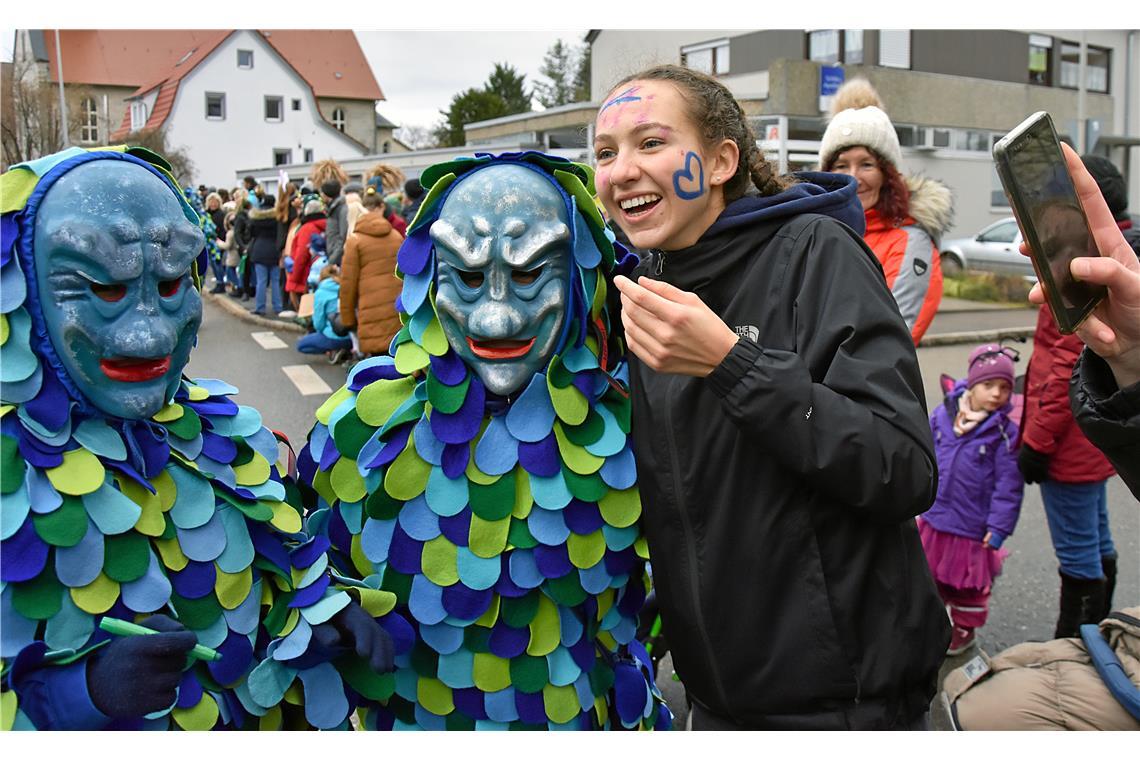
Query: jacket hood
point(816, 193)
point(373, 224)
point(951, 403)
point(262, 213)
point(931, 205)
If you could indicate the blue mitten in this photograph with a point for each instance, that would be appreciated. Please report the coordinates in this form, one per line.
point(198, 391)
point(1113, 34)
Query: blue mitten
point(131, 677)
point(351, 629)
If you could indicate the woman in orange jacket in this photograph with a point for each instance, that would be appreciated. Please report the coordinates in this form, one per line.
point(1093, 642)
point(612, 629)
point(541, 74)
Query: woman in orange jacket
point(368, 282)
point(906, 216)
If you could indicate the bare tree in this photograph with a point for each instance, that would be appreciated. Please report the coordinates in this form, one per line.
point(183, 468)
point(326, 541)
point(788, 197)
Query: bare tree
point(30, 121)
point(155, 140)
point(416, 136)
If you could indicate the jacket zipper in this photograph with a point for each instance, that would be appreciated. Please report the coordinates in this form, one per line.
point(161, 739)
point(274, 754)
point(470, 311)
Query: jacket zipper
point(690, 543)
point(658, 258)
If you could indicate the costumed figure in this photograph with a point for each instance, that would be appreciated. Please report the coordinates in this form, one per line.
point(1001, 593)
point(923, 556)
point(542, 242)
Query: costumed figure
point(131, 495)
point(483, 473)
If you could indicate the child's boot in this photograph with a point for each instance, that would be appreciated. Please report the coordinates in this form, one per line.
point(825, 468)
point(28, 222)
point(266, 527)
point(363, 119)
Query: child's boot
point(1082, 600)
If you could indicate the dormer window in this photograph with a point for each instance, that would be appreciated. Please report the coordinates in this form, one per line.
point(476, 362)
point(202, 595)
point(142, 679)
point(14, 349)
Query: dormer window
point(138, 115)
point(245, 59)
point(338, 119)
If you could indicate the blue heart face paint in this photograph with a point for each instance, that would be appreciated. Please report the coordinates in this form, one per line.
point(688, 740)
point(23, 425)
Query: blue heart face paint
point(113, 252)
point(503, 248)
point(687, 186)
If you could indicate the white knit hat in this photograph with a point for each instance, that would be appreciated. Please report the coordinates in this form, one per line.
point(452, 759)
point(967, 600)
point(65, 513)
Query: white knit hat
point(858, 119)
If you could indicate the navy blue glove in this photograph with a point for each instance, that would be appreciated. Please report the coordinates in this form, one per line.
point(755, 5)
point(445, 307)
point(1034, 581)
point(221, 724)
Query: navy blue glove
point(1033, 464)
point(353, 629)
point(137, 675)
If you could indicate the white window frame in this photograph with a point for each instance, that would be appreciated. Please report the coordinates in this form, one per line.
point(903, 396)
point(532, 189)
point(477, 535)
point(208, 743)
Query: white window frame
point(138, 115)
point(288, 156)
point(338, 120)
point(89, 124)
point(835, 35)
point(308, 154)
point(719, 49)
point(239, 63)
point(280, 108)
point(894, 48)
point(222, 101)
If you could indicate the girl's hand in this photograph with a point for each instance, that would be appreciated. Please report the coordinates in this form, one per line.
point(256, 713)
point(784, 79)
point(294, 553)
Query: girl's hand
point(986, 539)
point(672, 330)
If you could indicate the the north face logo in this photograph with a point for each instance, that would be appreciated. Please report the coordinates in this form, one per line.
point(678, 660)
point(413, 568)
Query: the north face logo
point(748, 331)
point(920, 267)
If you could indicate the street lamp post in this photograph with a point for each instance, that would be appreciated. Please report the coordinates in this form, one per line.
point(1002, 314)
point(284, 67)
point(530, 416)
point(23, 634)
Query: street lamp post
point(62, 101)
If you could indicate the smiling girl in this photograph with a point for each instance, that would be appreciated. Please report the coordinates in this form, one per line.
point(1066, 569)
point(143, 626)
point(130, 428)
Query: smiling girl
point(778, 422)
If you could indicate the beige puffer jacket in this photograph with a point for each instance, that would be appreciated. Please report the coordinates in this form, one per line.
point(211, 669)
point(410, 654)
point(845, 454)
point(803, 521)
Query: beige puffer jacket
point(1051, 685)
point(368, 282)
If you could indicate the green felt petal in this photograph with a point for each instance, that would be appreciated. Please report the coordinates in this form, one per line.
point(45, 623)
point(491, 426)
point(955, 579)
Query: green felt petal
point(493, 502)
point(586, 551)
point(491, 673)
point(81, 472)
point(619, 407)
point(517, 612)
point(410, 357)
point(519, 535)
point(17, 186)
point(325, 410)
point(187, 427)
point(39, 598)
point(65, 526)
point(254, 472)
point(566, 591)
point(200, 717)
point(434, 696)
point(233, 588)
point(584, 487)
point(196, 614)
point(126, 556)
point(432, 198)
point(439, 562)
point(488, 538)
point(367, 682)
point(4, 330)
point(346, 481)
point(407, 476)
point(589, 432)
point(446, 398)
point(545, 629)
point(561, 702)
point(557, 374)
point(409, 411)
point(350, 433)
point(524, 499)
point(529, 674)
point(11, 465)
point(576, 458)
point(381, 506)
point(433, 339)
point(621, 508)
point(377, 401)
point(569, 403)
point(96, 597)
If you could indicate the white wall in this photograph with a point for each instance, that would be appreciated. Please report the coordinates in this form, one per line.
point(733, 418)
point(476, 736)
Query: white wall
point(244, 137)
point(617, 53)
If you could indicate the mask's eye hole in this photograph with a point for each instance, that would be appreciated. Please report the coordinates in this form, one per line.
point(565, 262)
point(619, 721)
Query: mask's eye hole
point(110, 293)
point(525, 277)
point(470, 279)
point(167, 288)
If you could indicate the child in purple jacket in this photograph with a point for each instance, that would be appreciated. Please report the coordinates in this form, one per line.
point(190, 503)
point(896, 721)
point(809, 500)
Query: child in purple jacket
point(979, 490)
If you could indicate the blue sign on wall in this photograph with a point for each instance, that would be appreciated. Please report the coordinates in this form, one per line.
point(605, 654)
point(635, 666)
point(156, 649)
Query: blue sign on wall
point(830, 80)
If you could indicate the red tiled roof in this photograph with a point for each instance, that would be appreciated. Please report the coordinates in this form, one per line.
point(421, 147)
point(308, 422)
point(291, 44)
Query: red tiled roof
point(319, 55)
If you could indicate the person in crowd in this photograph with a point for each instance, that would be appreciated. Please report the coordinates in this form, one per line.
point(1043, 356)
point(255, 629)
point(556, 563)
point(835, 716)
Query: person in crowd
point(136, 496)
point(353, 204)
point(979, 490)
point(285, 212)
point(325, 307)
point(224, 194)
point(414, 193)
point(312, 224)
point(231, 255)
point(779, 424)
point(336, 228)
point(264, 257)
point(217, 262)
point(368, 285)
point(1073, 475)
point(387, 178)
point(243, 237)
point(905, 215)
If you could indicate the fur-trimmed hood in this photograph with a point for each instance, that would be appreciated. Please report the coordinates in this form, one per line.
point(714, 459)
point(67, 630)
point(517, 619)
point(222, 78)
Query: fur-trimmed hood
point(931, 205)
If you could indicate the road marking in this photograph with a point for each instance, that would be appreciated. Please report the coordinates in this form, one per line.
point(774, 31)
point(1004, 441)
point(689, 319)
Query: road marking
point(308, 382)
point(269, 340)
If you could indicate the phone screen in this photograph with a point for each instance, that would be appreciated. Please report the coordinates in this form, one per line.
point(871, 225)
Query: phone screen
point(1049, 200)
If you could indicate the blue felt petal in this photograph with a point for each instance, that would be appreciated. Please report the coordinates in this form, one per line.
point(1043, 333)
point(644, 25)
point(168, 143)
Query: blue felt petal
point(563, 670)
point(79, 565)
point(550, 493)
point(477, 573)
point(582, 517)
point(295, 644)
point(206, 543)
point(620, 471)
point(547, 526)
point(496, 453)
point(238, 554)
point(457, 528)
point(111, 510)
point(314, 571)
point(23, 556)
point(13, 288)
point(218, 447)
point(579, 359)
point(14, 509)
point(376, 538)
point(100, 439)
point(194, 499)
point(311, 595)
point(352, 512)
point(523, 569)
point(449, 369)
point(446, 497)
point(441, 637)
point(270, 489)
point(570, 626)
point(318, 439)
point(189, 449)
point(585, 693)
point(456, 669)
point(25, 390)
point(19, 361)
point(613, 439)
point(630, 693)
point(415, 290)
point(552, 561)
point(421, 320)
point(427, 445)
point(196, 580)
point(619, 538)
point(418, 521)
point(148, 593)
point(268, 682)
point(17, 631)
point(425, 601)
point(415, 252)
point(370, 370)
point(595, 579)
point(244, 618)
point(428, 721)
point(501, 705)
point(265, 443)
point(70, 628)
point(455, 458)
point(586, 253)
point(245, 423)
point(42, 493)
point(464, 605)
point(464, 424)
point(215, 387)
point(531, 416)
point(214, 634)
point(541, 458)
point(326, 608)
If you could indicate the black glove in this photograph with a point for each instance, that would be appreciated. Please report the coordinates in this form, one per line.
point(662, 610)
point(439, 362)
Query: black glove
point(1033, 464)
point(337, 326)
point(137, 675)
point(353, 629)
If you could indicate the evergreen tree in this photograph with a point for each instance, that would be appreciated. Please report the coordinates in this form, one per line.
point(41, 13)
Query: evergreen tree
point(509, 85)
point(558, 66)
point(468, 106)
point(582, 76)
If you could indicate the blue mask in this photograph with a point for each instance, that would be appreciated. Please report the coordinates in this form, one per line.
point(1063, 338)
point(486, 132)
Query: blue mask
point(113, 252)
point(502, 241)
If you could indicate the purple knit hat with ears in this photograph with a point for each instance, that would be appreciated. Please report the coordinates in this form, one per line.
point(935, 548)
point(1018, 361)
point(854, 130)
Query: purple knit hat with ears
point(987, 363)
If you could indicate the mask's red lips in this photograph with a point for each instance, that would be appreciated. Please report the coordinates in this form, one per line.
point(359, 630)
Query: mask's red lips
point(500, 349)
point(127, 370)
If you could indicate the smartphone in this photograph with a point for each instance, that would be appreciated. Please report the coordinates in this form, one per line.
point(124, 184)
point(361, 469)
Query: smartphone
point(1036, 179)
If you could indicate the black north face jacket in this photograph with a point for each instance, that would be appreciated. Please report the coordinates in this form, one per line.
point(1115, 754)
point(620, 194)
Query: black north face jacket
point(779, 492)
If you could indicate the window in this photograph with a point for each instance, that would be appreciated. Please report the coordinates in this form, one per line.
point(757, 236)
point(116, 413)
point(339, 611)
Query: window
point(387, 146)
point(338, 118)
point(282, 156)
point(308, 155)
point(88, 121)
point(894, 48)
point(969, 139)
point(941, 138)
point(1005, 232)
point(138, 115)
point(245, 59)
point(708, 57)
point(997, 193)
point(906, 135)
point(274, 108)
point(823, 46)
point(853, 46)
point(296, 104)
point(1040, 59)
point(1096, 67)
point(215, 105)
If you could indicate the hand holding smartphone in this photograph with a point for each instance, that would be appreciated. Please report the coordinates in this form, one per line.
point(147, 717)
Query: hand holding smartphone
point(1036, 179)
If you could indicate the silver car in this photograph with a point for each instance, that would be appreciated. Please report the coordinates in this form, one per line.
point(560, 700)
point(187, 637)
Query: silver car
point(994, 249)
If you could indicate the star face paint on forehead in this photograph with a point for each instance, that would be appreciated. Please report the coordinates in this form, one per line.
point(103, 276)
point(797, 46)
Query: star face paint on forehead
point(503, 241)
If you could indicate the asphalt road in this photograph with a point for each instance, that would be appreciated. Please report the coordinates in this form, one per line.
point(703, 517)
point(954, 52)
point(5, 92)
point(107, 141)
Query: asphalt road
point(1024, 604)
